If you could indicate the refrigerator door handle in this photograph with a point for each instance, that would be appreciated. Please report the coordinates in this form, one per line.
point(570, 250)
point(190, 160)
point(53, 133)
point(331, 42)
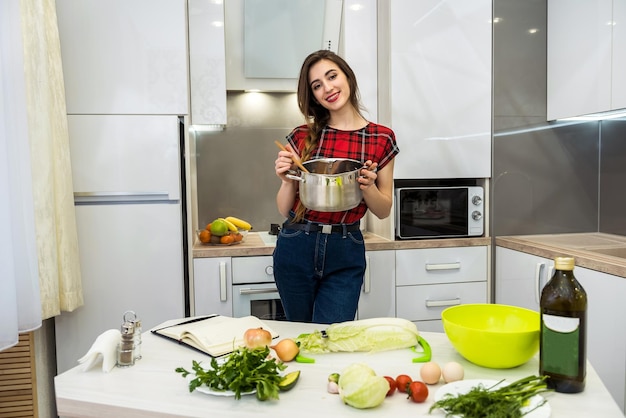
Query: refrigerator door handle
point(110, 197)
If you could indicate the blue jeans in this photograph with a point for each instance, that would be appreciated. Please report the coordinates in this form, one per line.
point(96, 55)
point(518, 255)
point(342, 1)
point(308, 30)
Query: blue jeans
point(319, 276)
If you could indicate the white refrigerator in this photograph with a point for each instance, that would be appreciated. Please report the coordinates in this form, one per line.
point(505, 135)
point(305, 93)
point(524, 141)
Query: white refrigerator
point(128, 191)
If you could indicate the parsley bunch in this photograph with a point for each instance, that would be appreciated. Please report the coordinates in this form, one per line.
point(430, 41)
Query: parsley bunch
point(243, 371)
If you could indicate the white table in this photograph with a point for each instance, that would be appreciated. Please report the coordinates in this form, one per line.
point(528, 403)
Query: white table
point(151, 388)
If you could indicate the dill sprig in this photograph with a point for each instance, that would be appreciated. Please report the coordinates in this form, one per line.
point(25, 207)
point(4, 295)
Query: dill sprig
point(489, 402)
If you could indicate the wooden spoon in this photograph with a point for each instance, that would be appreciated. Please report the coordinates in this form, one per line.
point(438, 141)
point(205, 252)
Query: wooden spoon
point(294, 157)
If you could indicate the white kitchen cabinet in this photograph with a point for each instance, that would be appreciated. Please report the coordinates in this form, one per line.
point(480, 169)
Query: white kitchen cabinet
point(378, 294)
point(519, 276)
point(431, 279)
point(606, 333)
point(207, 62)
point(124, 56)
point(586, 57)
point(618, 91)
point(212, 286)
point(360, 43)
point(441, 87)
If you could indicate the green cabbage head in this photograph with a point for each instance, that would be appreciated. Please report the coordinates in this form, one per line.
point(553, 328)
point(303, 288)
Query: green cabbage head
point(360, 388)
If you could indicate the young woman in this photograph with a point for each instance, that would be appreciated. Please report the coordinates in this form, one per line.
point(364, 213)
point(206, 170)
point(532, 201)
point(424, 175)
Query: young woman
point(319, 274)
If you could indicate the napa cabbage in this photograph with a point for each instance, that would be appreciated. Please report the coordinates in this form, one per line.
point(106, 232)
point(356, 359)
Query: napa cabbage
point(374, 334)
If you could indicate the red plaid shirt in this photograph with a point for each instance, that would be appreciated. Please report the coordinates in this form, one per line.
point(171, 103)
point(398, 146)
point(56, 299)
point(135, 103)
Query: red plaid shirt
point(373, 142)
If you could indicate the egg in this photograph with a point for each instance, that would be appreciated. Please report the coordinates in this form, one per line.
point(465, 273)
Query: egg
point(452, 372)
point(430, 373)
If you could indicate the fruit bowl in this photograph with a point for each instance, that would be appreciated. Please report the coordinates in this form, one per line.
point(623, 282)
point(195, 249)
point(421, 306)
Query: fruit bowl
point(493, 335)
point(229, 238)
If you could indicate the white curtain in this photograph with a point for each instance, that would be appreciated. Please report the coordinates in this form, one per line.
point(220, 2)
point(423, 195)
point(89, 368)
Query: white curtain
point(20, 304)
point(39, 262)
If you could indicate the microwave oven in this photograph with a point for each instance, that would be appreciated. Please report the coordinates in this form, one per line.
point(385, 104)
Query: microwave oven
point(439, 212)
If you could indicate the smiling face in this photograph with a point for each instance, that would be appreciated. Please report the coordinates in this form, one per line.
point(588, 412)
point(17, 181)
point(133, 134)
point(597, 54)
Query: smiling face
point(329, 85)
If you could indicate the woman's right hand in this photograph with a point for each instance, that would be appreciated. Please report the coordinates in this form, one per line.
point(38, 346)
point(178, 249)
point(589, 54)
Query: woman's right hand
point(286, 196)
point(284, 163)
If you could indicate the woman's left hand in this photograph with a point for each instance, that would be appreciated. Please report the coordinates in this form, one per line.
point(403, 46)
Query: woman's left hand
point(368, 175)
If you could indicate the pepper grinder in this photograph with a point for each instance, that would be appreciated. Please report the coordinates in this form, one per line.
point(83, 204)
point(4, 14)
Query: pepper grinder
point(131, 316)
point(126, 347)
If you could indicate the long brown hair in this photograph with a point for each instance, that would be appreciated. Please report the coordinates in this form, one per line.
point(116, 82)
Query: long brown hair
point(316, 115)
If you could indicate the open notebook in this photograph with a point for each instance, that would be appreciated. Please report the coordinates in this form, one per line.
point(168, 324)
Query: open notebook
point(215, 335)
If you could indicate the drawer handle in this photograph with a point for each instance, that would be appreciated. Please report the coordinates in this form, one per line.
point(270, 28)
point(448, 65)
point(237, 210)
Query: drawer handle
point(248, 291)
point(538, 270)
point(444, 302)
point(444, 266)
point(367, 279)
point(223, 287)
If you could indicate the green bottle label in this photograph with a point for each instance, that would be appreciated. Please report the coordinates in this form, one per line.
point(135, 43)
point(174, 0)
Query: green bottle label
point(559, 344)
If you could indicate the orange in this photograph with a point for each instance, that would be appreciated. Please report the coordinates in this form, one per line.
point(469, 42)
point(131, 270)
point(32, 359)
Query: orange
point(227, 239)
point(205, 236)
point(238, 237)
point(208, 226)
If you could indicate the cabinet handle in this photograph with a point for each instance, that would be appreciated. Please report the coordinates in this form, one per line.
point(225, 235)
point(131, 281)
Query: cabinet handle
point(222, 282)
point(367, 280)
point(538, 270)
point(248, 291)
point(113, 197)
point(443, 266)
point(444, 302)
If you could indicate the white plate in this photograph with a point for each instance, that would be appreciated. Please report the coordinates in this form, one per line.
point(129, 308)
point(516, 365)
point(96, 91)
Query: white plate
point(463, 386)
point(209, 391)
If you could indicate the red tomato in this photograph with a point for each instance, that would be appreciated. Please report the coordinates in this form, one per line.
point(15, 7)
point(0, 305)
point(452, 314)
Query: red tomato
point(403, 381)
point(418, 392)
point(392, 385)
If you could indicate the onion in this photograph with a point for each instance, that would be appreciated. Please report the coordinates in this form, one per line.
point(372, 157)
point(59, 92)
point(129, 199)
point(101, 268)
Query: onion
point(333, 388)
point(286, 349)
point(257, 338)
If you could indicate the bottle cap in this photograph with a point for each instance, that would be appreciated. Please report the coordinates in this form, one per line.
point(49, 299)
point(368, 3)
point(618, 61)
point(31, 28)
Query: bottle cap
point(564, 263)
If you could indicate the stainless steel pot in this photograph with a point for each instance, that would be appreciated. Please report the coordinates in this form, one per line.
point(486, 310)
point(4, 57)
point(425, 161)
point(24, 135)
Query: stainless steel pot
point(330, 185)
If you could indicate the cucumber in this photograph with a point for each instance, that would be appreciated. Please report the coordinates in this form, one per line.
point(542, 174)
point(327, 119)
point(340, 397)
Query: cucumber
point(289, 381)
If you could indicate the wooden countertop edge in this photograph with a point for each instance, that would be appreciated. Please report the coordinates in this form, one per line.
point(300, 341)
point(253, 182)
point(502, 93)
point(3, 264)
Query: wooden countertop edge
point(253, 245)
point(588, 259)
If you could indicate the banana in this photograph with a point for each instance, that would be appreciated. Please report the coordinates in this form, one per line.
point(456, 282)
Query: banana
point(231, 226)
point(239, 223)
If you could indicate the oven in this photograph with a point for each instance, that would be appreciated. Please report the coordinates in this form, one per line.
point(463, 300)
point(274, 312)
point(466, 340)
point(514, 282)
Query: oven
point(253, 289)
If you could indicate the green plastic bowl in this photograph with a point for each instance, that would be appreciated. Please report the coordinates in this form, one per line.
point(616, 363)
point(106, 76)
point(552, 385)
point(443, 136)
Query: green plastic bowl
point(493, 335)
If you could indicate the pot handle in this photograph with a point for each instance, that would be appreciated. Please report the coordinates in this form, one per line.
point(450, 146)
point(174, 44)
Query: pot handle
point(292, 177)
point(374, 170)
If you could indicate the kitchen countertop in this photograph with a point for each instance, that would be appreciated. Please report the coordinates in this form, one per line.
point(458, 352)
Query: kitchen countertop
point(255, 244)
point(595, 251)
point(151, 388)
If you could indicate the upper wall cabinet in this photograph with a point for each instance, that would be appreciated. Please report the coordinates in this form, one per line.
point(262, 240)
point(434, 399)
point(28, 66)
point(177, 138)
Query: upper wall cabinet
point(586, 57)
point(267, 40)
point(207, 62)
point(441, 88)
point(360, 50)
point(124, 56)
point(618, 92)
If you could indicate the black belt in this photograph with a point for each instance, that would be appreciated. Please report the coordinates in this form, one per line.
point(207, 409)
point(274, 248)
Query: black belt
point(324, 228)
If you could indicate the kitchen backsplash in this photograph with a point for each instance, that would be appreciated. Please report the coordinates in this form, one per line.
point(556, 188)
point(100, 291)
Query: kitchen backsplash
point(235, 167)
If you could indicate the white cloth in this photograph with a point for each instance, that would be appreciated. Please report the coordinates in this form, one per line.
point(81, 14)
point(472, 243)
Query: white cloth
point(103, 349)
